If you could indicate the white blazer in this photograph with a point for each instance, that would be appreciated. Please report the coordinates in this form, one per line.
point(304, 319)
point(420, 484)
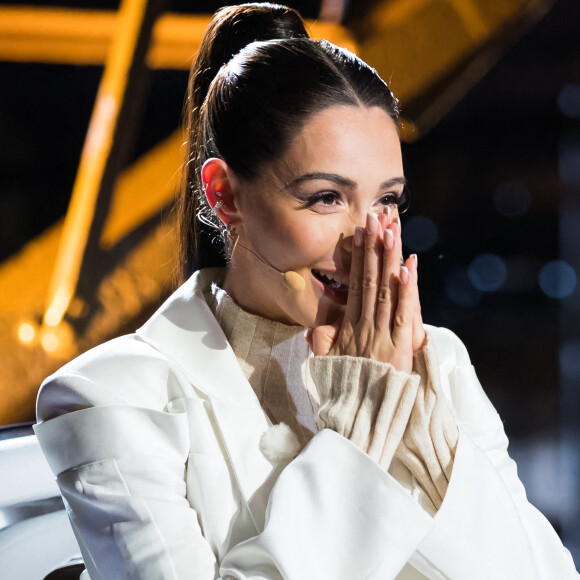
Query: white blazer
point(154, 438)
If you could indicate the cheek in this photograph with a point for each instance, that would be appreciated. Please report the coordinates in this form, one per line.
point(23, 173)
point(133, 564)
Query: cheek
point(308, 240)
point(295, 235)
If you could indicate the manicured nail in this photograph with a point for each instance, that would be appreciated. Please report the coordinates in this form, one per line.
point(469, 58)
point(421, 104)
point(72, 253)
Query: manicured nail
point(404, 275)
point(372, 222)
point(414, 256)
point(389, 211)
point(358, 236)
point(389, 239)
point(396, 220)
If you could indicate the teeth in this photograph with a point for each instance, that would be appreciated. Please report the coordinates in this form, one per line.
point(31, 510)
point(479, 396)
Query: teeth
point(338, 279)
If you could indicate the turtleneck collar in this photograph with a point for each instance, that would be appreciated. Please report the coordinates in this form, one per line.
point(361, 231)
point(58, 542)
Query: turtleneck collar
point(274, 358)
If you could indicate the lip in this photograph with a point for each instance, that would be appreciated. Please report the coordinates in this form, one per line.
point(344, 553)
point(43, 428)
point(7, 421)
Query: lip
point(337, 296)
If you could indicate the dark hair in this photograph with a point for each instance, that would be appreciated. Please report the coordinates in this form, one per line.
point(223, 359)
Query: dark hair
point(248, 111)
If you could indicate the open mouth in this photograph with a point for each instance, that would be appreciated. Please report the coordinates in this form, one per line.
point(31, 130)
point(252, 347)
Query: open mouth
point(334, 282)
point(336, 287)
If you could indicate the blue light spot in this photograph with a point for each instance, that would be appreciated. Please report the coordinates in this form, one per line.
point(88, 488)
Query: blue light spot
point(570, 359)
point(557, 279)
point(460, 291)
point(487, 272)
point(512, 198)
point(569, 101)
point(569, 160)
point(419, 234)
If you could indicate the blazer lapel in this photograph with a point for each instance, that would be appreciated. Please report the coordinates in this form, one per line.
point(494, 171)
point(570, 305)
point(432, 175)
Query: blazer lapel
point(185, 330)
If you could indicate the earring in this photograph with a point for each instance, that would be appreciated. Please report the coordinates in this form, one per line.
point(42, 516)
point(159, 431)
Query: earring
point(217, 207)
point(231, 241)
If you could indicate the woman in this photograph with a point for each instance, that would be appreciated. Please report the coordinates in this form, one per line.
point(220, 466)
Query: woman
point(222, 439)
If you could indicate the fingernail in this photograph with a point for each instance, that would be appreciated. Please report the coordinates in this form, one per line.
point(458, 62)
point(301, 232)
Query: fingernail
point(389, 239)
point(358, 236)
point(404, 274)
point(389, 211)
point(414, 256)
point(372, 222)
point(396, 220)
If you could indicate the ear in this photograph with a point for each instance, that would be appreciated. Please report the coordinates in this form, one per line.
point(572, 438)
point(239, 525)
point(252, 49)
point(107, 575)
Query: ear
point(218, 183)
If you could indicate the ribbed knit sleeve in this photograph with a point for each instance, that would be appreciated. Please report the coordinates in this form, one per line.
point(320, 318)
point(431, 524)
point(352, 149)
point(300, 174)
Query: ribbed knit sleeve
point(366, 401)
point(428, 445)
point(388, 413)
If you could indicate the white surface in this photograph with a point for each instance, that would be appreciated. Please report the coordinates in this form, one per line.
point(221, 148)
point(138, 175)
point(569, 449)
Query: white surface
point(26, 475)
point(33, 548)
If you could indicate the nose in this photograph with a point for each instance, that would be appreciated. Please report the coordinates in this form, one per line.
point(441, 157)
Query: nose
point(385, 218)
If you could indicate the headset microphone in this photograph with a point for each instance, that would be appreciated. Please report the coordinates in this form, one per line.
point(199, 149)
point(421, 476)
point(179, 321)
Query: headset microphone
point(292, 280)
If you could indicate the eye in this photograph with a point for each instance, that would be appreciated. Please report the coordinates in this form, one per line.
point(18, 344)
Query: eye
point(401, 200)
point(404, 200)
point(323, 198)
point(390, 199)
point(328, 198)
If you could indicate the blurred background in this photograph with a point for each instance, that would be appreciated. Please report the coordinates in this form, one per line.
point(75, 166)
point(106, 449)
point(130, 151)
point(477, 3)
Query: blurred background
point(91, 99)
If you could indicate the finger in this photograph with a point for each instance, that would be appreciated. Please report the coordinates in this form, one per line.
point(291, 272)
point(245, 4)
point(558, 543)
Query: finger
point(371, 268)
point(385, 294)
point(396, 260)
point(402, 333)
point(419, 335)
point(324, 337)
point(353, 302)
point(390, 275)
point(384, 221)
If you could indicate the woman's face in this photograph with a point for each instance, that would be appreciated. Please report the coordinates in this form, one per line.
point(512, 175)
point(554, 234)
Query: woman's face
point(302, 212)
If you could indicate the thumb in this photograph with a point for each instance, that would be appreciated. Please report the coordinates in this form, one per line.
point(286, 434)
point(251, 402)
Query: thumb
point(419, 335)
point(322, 338)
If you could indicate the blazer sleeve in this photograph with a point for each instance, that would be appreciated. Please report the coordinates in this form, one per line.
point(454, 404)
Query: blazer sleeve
point(333, 512)
point(485, 509)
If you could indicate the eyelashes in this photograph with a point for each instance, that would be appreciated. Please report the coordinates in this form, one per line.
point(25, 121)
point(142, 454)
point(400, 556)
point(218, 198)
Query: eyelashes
point(331, 199)
point(327, 198)
point(404, 200)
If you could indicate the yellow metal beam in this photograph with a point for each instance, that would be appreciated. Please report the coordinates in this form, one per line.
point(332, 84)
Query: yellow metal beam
point(96, 150)
point(25, 277)
point(432, 52)
point(82, 37)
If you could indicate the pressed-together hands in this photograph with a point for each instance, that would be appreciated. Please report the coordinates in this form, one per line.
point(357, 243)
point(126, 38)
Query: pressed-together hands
point(382, 319)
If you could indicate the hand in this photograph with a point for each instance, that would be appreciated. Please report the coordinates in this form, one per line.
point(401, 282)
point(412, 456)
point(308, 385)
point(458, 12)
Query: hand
point(382, 320)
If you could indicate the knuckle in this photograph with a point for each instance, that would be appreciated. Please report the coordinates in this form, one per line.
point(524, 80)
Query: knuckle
point(354, 286)
point(383, 294)
point(369, 282)
point(401, 320)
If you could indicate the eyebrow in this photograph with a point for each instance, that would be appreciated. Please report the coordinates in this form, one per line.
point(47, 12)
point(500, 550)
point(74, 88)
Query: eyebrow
point(342, 181)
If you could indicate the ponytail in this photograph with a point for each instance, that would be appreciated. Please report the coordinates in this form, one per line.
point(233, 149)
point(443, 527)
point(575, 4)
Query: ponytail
point(231, 29)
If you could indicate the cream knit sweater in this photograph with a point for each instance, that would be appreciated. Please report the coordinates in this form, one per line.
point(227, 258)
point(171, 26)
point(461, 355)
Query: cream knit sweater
point(403, 421)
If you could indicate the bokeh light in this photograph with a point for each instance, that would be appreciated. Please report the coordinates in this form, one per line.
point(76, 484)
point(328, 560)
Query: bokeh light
point(487, 272)
point(569, 101)
point(26, 333)
point(49, 341)
point(460, 290)
point(420, 234)
point(570, 359)
point(512, 198)
point(557, 279)
point(569, 160)
point(569, 227)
